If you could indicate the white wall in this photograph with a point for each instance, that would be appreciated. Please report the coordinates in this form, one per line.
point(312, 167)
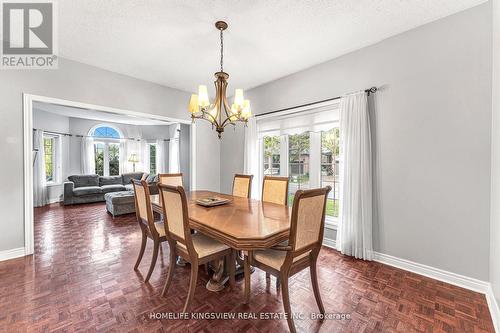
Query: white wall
point(76, 82)
point(495, 158)
point(431, 128)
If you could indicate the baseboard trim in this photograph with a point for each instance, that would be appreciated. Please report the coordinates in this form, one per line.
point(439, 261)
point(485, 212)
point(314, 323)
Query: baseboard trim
point(12, 253)
point(494, 309)
point(466, 282)
point(432, 272)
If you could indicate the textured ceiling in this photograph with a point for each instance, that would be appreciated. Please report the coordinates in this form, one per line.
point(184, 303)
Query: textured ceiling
point(174, 43)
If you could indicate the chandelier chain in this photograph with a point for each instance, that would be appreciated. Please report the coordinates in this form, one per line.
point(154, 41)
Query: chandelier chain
point(221, 51)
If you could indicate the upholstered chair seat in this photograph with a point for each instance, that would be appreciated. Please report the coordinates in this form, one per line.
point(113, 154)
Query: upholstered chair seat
point(275, 258)
point(204, 245)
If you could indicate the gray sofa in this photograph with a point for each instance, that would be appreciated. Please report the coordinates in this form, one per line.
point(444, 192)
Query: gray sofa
point(92, 188)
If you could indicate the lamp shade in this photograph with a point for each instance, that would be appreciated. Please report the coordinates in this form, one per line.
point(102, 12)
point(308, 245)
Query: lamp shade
point(238, 97)
point(133, 158)
point(203, 100)
point(246, 112)
point(193, 104)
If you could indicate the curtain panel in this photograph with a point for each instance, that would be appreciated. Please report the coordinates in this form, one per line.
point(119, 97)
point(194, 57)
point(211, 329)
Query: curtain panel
point(87, 156)
point(354, 234)
point(40, 196)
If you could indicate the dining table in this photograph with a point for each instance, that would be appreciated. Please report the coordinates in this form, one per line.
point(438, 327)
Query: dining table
point(242, 224)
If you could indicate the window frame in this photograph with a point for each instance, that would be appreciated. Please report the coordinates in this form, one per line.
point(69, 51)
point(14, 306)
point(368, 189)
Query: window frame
point(56, 160)
point(331, 222)
point(106, 142)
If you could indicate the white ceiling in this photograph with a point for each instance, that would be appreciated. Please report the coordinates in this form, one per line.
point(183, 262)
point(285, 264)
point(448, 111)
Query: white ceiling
point(107, 117)
point(174, 42)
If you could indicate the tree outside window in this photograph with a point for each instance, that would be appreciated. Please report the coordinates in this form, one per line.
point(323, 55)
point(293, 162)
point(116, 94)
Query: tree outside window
point(48, 149)
point(272, 155)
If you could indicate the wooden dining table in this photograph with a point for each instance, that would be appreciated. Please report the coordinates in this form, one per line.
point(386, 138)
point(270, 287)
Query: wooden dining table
point(243, 224)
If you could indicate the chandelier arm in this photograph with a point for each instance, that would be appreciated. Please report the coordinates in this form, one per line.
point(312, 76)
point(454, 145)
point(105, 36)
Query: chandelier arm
point(206, 113)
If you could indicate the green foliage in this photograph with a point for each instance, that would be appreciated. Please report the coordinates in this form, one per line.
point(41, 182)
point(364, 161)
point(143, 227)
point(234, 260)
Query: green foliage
point(271, 146)
point(330, 141)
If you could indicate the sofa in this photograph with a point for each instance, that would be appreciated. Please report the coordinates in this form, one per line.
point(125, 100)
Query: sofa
point(92, 188)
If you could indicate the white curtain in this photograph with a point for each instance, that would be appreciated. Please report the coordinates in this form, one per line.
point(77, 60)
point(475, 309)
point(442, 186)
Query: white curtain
point(354, 234)
point(87, 156)
point(143, 164)
point(40, 197)
point(161, 156)
point(173, 155)
point(123, 157)
point(252, 156)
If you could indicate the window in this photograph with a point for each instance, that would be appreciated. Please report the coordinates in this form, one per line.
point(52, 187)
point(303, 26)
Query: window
point(298, 165)
point(106, 150)
point(50, 158)
point(99, 158)
point(272, 155)
point(106, 132)
point(303, 145)
point(330, 169)
point(114, 159)
point(152, 158)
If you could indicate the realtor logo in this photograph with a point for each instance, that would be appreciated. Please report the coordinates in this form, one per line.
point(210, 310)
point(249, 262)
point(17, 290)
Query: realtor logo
point(28, 35)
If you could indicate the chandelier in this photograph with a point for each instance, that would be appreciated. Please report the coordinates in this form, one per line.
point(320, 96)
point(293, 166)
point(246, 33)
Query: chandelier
point(219, 113)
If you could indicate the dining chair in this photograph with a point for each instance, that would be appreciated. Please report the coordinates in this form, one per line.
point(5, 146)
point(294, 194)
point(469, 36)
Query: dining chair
point(242, 185)
point(172, 179)
point(275, 190)
point(196, 248)
point(304, 243)
point(149, 227)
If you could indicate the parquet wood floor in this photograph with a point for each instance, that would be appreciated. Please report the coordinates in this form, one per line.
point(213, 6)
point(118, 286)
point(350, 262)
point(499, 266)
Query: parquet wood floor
point(81, 279)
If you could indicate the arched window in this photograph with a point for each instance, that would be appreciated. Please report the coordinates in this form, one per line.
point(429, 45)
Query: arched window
point(106, 149)
point(105, 131)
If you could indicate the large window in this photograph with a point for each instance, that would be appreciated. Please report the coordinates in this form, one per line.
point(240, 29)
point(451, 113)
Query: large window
point(311, 159)
point(152, 158)
point(106, 150)
point(272, 155)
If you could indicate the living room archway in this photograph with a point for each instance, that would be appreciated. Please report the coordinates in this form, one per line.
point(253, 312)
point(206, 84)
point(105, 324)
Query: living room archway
point(29, 155)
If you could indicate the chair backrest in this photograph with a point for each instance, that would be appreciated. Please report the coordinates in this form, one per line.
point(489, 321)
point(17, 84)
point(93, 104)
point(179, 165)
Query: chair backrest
point(242, 185)
point(172, 179)
point(143, 209)
point(275, 190)
point(308, 218)
point(175, 214)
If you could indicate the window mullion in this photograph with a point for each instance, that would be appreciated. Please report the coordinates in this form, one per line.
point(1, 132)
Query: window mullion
point(284, 158)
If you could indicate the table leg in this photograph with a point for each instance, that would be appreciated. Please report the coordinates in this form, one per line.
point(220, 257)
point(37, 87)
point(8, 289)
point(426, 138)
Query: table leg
point(218, 280)
point(246, 268)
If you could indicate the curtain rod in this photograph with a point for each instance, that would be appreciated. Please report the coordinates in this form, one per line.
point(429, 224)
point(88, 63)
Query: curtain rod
point(368, 91)
point(97, 137)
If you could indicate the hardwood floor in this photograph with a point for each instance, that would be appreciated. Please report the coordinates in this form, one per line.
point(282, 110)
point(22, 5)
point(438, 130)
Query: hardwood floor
point(82, 279)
